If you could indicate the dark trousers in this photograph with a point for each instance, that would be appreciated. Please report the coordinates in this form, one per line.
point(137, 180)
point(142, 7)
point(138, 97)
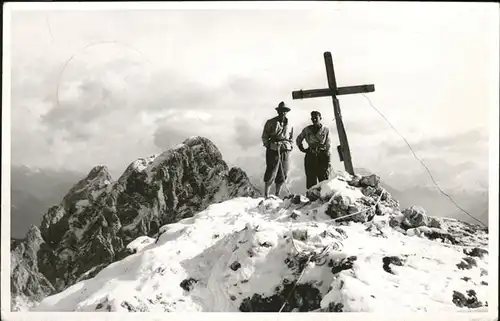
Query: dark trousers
point(317, 166)
point(273, 171)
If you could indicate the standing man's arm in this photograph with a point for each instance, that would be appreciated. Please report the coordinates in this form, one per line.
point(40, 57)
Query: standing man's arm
point(299, 140)
point(328, 141)
point(265, 135)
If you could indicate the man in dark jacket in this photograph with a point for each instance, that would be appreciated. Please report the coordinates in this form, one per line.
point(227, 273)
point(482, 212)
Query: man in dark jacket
point(277, 137)
point(317, 158)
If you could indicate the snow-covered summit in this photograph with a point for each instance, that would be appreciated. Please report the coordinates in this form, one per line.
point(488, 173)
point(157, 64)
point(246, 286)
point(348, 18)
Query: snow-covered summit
point(344, 247)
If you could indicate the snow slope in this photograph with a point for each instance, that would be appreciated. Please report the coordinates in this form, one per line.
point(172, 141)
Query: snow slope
point(246, 254)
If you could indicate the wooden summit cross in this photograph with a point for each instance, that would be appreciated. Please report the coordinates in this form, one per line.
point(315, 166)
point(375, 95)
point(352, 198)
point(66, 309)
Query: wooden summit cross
point(333, 91)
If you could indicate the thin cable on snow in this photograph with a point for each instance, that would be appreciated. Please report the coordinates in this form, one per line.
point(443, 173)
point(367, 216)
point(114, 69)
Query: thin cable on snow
point(298, 280)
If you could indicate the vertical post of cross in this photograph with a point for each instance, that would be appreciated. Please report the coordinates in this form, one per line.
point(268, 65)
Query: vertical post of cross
point(334, 91)
point(344, 145)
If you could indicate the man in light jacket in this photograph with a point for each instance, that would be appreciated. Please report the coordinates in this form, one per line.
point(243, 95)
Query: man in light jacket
point(317, 159)
point(277, 137)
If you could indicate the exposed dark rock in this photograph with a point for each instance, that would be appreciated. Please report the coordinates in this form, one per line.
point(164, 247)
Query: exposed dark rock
point(296, 263)
point(300, 234)
point(355, 181)
point(313, 194)
point(140, 307)
point(434, 234)
point(120, 255)
point(388, 260)
point(342, 233)
point(414, 216)
point(340, 206)
point(266, 244)
point(235, 265)
point(187, 284)
point(433, 222)
point(467, 263)
point(393, 222)
point(326, 233)
point(294, 215)
point(466, 278)
point(337, 206)
point(370, 180)
point(295, 199)
point(305, 297)
point(299, 199)
point(477, 252)
point(343, 264)
point(335, 307)
point(390, 202)
point(461, 301)
point(368, 191)
point(128, 306)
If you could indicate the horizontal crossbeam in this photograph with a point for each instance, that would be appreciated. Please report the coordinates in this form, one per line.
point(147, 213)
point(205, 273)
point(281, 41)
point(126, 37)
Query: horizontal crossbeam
point(327, 92)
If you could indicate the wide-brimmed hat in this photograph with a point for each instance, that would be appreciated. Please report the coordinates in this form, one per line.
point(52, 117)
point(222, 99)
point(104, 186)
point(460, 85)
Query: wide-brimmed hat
point(282, 107)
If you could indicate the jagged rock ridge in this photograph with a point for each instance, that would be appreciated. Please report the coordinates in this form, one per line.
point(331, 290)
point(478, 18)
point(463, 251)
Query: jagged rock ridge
point(98, 217)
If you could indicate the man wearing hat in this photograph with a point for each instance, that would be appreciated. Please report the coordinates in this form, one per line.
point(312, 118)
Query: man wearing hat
point(277, 137)
point(317, 158)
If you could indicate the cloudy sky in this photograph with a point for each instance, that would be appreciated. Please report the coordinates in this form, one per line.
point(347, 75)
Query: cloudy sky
point(109, 86)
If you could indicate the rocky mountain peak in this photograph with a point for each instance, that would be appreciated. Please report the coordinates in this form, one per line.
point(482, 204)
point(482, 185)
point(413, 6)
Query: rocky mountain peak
point(98, 217)
point(26, 279)
point(84, 193)
point(33, 233)
point(99, 171)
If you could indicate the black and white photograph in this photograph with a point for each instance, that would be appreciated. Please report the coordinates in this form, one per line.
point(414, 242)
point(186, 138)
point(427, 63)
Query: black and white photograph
point(305, 156)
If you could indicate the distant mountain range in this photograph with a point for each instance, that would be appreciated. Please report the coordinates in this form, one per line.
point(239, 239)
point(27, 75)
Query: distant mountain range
point(33, 191)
